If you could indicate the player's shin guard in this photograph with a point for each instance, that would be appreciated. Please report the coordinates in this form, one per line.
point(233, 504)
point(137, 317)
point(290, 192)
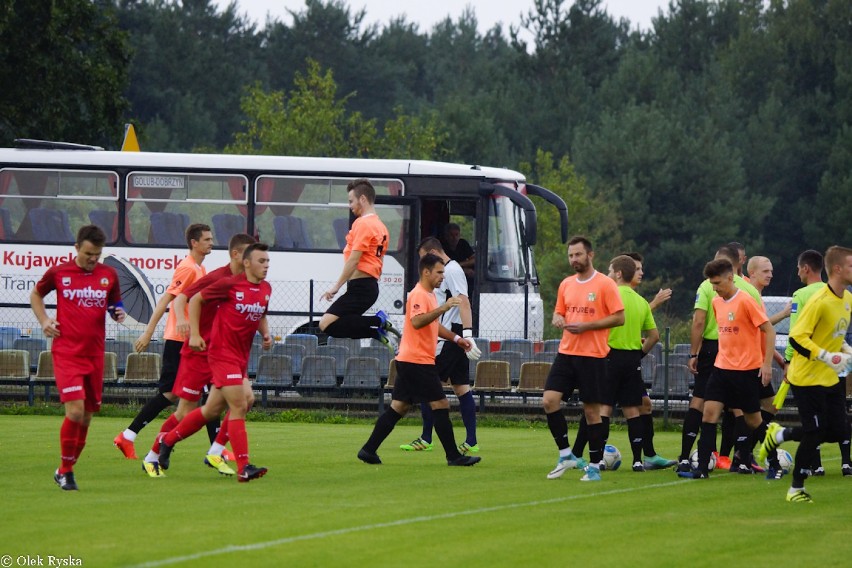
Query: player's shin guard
point(691, 425)
point(596, 442)
point(68, 435)
point(467, 408)
point(428, 421)
point(384, 426)
point(239, 442)
point(635, 432)
point(444, 430)
point(558, 429)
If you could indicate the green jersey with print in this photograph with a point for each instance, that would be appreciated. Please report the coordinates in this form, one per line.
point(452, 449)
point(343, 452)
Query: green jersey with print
point(637, 318)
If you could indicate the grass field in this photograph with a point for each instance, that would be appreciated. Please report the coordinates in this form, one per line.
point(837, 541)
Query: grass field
point(320, 506)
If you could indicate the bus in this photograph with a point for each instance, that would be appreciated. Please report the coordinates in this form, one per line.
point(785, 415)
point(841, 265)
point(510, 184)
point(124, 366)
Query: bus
point(298, 205)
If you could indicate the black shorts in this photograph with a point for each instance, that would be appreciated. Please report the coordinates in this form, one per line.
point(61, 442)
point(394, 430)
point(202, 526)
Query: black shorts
point(822, 409)
point(361, 293)
point(735, 389)
point(416, 383)
point(767, 391)
point(452, 361)
point(624, 385)
point(704, 366)
point(569, 372)
point(169, 369)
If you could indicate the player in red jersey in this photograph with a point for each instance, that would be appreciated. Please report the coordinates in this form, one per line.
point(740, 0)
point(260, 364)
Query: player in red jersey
point(194, 372)
point(244, 300)
point(85, 291)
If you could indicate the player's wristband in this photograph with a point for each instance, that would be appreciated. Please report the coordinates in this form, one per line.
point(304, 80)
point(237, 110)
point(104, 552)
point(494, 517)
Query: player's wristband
point(456, 338)
point(691, 356)
point(117, 305)
point(467, 333)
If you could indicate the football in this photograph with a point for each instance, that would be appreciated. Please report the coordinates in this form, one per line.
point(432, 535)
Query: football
point(693, 460)
point(611, 457)
point(785, 459)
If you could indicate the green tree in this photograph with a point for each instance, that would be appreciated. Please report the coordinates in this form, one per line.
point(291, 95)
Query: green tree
point(63, 68)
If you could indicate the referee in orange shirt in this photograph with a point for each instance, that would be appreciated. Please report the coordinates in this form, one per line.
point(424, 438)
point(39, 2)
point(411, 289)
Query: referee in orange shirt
point(417, 376)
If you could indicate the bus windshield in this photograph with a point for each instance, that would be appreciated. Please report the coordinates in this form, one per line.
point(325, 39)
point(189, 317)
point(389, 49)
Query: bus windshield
point(505, 248)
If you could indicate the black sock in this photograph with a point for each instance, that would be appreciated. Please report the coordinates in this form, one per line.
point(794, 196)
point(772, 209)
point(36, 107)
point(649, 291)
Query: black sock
point(444, 431)
point(384, 426)
point(844, 445)
point(558, 429)
point(634, 432)
point(605, 420)
point(727, 440)
point(353, 327)
point(582, 438)
point(805, 457)
point(648, 435)
point(151, 410)
point(742, 436)
point(691, 425)
point(705, 445)
point(596, 442)
point(213, 429)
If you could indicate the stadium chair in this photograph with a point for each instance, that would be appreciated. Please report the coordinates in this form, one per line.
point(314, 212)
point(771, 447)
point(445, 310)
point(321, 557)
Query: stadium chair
point(294, 351)
point(533, 377)
point(226, 225)
point(8, 335)
point(544, 357)
point(309, 341)
point(362, 373)
point(514, 358)
point(43, 375)
point(341, 228)
point(484, 346)
point(679, 378)
point(121, 349)
point(523, 346)
point(156, 346)
point(657, 352)
point(14, 365)
point(353, 345)
point(33, 346)
point(169, 228)
point(492, 376)
point(551, 345)
point(380, 353)
point(391, 375)
point(110, 367)
point(274, 372)
point(142, 368)
point(340, 355)
point(318, 372)
point(254, 357)
point(649, 368)
point(681, 349)
point(50, 225)
point(107, 221)
point(678, 359)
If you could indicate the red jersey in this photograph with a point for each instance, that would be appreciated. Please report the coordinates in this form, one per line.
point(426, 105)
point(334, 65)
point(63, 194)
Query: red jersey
point(580, 301)
point(418, 345)
point(82, 299)
point(241, 307)
point(209, 307)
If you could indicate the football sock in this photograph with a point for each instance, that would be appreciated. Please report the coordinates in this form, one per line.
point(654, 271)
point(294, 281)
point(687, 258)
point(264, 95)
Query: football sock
point(129, 435)
point(151, 410)
point(648, 435)
point(634, 432)
point(68, 434)
point(605, 420)
point(742, 439)
point(213, 428)
point(596, 442)
point(169, 425)
point(582, 437)
point(384, 426)
point(354, 327)
point(428, 422)
point(691, 425)
point(222, 436)
point(444, 430)
point(726, 442)
point(216, 449)
point(558, 429)
point(467, 408)
point(82, 433)
point(705, 445)
point(191, 423)
point(239, 441)
point(805, 457)
point(152, 456)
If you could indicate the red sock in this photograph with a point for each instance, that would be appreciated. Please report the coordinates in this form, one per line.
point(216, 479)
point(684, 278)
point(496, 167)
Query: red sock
point(82, 432)
point(191, 423)
point(169, 425)
point(239, 441)
point(68, 434)
point(222, 434)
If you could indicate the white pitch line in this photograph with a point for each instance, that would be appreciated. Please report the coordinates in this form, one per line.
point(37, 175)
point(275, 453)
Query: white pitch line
point(412, 520)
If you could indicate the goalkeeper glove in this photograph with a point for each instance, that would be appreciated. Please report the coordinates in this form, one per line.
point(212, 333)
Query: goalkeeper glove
point(846, 349)
point(839, 362)
point(474, 353)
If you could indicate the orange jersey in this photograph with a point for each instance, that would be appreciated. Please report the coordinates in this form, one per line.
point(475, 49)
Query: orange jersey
point(186, 273)
point(741, 343)
point(585, 301)
point(418, 345)
point(369, 236)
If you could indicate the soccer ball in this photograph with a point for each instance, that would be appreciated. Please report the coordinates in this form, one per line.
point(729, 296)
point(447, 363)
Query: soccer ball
point(693, 460)
point(611, 457)
point(785, 459)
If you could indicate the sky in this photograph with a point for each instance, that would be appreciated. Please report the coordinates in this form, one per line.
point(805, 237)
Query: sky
point(428, 12)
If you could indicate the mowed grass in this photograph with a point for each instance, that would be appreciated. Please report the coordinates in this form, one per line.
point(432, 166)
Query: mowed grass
point(320, 506)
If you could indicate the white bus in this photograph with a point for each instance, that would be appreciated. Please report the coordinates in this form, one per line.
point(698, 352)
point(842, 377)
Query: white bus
point(145, 200)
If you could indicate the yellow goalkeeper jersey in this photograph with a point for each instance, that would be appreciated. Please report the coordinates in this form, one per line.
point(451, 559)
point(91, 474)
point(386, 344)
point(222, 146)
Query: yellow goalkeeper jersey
point(821, 325)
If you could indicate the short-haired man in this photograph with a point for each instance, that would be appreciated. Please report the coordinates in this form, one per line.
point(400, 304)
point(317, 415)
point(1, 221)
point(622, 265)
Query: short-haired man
point(243, 301)
point(363, 258)
point(739, 370)
point(194, 373)
point(458, 249)
point(85, 291)
point(417, 377)
point(587, 306)
point(820, 355)
point(451, 360)
point(199, 239)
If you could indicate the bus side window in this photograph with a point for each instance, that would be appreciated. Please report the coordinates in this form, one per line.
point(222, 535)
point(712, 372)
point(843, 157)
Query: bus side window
point(226, 225)
point(50, 225)
point(5, 223)
point(290, 233)
point(169, 228)
point(341, 228)
point(107, 221)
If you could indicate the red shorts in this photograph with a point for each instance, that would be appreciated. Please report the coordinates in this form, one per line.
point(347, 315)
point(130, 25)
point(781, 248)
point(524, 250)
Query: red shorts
point(227, 374)
point(193, 375)
point(80, 378)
